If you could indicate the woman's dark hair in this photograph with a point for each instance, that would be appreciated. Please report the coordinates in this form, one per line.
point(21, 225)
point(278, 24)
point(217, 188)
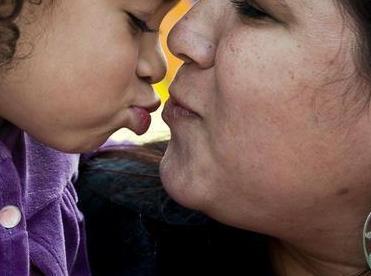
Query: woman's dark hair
point(360, 11)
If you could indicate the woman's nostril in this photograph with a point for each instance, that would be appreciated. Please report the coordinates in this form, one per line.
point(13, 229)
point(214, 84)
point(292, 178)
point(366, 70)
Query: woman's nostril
point(147, 79)
point(185, 58)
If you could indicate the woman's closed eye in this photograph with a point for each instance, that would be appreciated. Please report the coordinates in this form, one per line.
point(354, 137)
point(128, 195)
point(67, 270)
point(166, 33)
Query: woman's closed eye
point(139, 24)
point(245, 8)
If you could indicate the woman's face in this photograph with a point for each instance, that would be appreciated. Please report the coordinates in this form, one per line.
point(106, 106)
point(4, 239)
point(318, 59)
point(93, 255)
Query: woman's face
point(87, 71)
point(267, 116)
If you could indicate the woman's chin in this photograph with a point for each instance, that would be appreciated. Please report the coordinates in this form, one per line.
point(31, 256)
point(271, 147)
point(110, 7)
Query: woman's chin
point(176, 186)
point(170, 182)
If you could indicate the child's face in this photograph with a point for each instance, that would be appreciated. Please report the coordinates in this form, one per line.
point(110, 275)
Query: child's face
point(88, 71)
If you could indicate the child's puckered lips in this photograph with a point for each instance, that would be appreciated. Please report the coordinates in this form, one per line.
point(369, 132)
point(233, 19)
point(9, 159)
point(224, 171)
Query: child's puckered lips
point(141, 117)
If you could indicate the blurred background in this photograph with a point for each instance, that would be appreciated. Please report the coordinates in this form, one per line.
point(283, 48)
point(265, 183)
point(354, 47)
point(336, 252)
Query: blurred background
point(158, 129)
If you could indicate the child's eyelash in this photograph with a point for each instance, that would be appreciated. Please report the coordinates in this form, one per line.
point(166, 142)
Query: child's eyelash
point(140, 24)
point(246, 9)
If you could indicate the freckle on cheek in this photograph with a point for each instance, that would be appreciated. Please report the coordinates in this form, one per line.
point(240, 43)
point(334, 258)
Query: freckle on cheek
point(342, 191)
point(233, 50)
point(236, 51)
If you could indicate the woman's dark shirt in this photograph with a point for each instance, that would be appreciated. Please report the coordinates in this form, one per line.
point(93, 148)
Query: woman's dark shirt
point(135, 229)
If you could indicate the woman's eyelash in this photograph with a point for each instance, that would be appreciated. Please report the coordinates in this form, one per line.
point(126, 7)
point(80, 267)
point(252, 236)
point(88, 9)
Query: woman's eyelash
point(246, 9)
point(140, 24)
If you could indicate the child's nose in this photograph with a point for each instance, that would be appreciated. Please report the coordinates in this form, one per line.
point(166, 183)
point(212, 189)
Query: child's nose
point(152, 64)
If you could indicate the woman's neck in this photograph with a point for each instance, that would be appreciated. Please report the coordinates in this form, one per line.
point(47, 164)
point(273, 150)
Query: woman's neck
point(287, 260)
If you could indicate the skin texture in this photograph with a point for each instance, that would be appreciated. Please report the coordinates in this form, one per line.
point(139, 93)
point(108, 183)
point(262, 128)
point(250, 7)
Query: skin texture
point(278, 140)
point(88, 71)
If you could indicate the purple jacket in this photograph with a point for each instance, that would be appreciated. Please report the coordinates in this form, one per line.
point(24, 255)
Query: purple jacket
point(40, 225)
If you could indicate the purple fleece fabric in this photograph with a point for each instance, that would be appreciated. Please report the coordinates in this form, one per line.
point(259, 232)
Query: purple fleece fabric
point(38, 180)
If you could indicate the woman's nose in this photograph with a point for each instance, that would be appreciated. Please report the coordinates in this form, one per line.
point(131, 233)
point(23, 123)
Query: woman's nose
point(152, 64)
point(192, 39)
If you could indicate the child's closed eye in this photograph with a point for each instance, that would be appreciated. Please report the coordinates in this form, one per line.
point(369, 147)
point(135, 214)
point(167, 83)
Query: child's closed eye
point(139, 25)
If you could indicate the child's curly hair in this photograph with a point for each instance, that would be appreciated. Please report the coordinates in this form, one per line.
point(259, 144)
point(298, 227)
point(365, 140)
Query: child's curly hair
point(9, 32)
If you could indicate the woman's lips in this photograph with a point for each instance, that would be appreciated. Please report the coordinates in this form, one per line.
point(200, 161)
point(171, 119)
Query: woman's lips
point(174, 111)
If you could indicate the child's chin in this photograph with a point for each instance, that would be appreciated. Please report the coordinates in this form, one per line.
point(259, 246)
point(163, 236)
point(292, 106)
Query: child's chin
point(88, 145)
